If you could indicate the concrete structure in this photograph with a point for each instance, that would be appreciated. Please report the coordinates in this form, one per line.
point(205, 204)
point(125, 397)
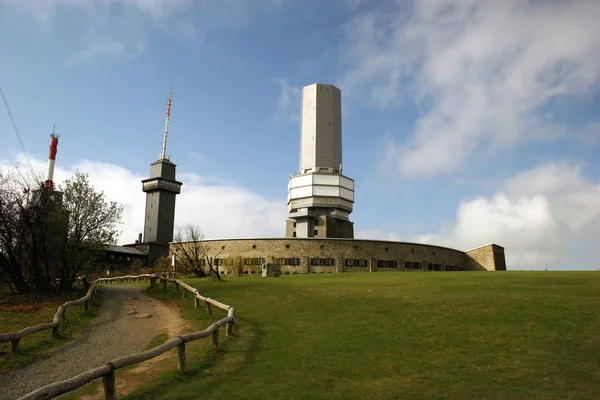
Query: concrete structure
point(319, 233)
point(319, 197)
point(312, 255)
point(161, 188)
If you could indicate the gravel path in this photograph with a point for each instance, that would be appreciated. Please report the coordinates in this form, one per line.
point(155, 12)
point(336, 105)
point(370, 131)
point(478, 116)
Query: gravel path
point(113, 333)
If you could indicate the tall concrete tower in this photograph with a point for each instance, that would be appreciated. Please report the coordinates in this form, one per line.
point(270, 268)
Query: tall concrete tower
point(320, 198)
point(161, 188)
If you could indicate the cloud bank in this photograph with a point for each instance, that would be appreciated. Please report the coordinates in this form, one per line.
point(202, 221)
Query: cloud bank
point(481, 73)
point(221, 210)
point(548, 216)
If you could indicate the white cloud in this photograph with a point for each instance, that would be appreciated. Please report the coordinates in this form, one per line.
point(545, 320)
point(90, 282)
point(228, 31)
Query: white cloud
point(288, 103)
point(376, 234)
point(547, 216)
point(479, 71)
point(220, 209)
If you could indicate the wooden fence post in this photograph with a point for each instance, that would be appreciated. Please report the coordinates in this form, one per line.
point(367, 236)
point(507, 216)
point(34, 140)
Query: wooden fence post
point(228, 328)
point(181, 357)
point(208, 307)
point(165, 284)
point(110, 389)
point(64, 314)
point(176, 286)
point(86, 306)
point(195, 302)
point(55, 330)
point(13, 345)
point(184, 293)
point(215, 339)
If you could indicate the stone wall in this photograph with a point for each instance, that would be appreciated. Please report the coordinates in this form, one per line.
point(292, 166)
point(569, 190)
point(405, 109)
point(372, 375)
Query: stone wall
point(489, 257)
point(315, 255)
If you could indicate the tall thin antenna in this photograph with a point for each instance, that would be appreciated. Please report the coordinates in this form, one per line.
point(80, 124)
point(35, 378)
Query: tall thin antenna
point(163, 156)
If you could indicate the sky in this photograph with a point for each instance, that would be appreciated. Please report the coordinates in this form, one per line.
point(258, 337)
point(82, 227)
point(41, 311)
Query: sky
point(464, 122)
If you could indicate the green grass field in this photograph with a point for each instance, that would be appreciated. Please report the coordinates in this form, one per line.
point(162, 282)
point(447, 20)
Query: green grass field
point(24, 312)
point(452, 335)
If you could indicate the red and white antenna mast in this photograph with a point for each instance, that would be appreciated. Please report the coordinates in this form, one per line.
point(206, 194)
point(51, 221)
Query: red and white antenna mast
point(164, 156)
point(49, 184)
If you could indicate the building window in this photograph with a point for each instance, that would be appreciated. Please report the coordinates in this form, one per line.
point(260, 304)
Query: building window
point(324, 262)
point(434, 267)
point(287, 246)
point(253, 246)
point(294, 224)
point(289, 261)
point(254, 261)
point(355, 262)
point(316, 222)
point(387, 264)
point(128, 258)
point(316, 232)
point(294, 234)
point(412, 265)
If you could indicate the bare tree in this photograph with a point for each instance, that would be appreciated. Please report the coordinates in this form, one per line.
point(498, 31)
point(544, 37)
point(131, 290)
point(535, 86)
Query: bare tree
point(15, 218)
point(191, 252)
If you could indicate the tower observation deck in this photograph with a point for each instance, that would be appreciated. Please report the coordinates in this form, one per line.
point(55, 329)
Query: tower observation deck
point(320, 198)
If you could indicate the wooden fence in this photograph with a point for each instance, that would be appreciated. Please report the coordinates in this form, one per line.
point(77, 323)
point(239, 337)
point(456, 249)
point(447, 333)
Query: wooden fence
point(15, 337)
point(107, 371)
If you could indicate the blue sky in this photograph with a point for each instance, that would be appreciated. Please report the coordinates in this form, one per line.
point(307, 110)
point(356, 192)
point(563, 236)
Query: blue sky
point(464, 122)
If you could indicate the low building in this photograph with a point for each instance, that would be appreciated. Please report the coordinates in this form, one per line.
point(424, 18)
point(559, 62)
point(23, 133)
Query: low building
point(122, 259)
point(314, 255)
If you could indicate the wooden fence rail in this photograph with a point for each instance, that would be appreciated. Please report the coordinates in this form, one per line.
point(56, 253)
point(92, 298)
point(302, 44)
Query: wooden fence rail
point(15, 337)
point(107, 371)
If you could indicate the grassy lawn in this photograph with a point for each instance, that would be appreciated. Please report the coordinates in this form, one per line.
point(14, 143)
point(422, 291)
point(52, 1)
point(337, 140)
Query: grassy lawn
point(451, 335)
point(24, 312)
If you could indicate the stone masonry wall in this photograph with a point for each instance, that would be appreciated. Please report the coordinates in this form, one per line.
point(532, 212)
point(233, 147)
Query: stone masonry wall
point(489, 257)
point(334, 254)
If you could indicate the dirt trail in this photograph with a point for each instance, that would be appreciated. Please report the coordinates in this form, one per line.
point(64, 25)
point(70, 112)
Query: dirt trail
point(114, 333)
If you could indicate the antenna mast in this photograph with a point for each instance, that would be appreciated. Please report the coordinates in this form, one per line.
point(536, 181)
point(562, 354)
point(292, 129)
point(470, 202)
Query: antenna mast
point(163, 156)
point(49, 184)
